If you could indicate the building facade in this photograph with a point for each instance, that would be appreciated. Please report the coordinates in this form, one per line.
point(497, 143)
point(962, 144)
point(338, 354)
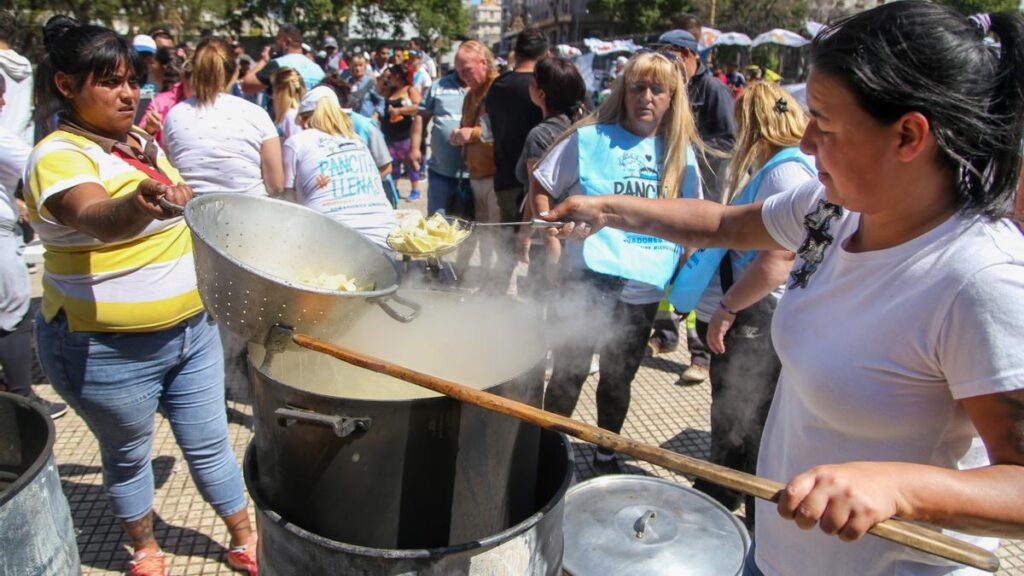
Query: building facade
point(485, 22)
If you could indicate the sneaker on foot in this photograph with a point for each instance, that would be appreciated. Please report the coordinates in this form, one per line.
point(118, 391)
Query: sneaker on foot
point(694, 374)
point(243, 558)
point(413, 196)
point(148, 564)
point(54, 409)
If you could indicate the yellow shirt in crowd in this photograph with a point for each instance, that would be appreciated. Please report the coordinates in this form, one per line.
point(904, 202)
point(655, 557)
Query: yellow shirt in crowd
point(140, 284)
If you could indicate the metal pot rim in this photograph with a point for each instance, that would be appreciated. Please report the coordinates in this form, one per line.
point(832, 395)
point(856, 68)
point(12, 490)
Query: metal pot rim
point(200, 201)
point(41, 460)
point(399, 553)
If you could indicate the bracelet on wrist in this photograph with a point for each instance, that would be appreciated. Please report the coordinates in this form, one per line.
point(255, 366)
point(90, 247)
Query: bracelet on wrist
point(725, 307)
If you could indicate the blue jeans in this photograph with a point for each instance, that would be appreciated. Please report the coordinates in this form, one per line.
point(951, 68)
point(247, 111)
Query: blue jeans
point(749, 566)
point(441, 191)
point(116, 382)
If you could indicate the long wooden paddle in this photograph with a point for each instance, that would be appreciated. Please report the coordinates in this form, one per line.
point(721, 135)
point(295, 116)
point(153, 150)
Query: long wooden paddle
point(895, 530)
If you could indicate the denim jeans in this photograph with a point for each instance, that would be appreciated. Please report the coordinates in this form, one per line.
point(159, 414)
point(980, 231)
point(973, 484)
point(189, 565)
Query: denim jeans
point(441, 191)
point(116, 382)
point(749, 566)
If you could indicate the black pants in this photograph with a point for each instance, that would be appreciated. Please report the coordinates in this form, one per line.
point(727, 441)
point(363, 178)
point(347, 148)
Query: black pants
point(742, 387)
point(616, 330)
point(16, 356)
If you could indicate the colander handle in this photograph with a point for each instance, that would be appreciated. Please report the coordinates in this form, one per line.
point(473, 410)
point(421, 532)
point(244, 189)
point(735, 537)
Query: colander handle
point(414, 308)
point(171, 206)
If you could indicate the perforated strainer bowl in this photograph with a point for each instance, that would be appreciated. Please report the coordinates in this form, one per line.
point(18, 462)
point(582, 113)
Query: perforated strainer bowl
point(250, 252)
point(456, 222)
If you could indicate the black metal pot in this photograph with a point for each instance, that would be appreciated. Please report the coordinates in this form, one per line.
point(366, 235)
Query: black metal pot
point(531, 547)
point(367, 460)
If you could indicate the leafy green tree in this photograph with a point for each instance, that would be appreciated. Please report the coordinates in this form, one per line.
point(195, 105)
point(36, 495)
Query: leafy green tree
point(633, 17)
point(975, 6)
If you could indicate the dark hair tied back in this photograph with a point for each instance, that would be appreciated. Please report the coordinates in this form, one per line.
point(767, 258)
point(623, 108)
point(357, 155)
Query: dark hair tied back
point(983, 22)
point(564, 89)
point(919, 56)
point(80, 51)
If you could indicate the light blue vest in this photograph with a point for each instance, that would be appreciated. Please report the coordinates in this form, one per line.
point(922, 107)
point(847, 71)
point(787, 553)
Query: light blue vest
point(693, 279)
point(310, 72)
point(613, 160)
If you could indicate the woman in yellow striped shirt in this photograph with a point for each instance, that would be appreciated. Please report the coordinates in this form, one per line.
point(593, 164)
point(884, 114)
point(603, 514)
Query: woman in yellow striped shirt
point(121, 330)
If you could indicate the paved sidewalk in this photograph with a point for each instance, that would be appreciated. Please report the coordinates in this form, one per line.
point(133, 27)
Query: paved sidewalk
point(662, 413)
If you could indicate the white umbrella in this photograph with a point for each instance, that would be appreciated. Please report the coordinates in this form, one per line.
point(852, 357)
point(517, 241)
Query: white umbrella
point(733, 39)
point(780, 36)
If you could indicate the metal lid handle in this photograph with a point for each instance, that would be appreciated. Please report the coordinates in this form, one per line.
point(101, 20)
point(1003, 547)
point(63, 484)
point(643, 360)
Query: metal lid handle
point(641, 523)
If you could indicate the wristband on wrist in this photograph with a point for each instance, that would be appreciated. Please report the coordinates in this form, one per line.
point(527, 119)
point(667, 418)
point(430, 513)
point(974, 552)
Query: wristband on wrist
point(723, 306)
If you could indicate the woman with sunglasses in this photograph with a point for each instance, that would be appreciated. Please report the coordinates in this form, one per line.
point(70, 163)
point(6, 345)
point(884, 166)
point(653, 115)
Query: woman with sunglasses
point(902, 383)
point(122, 332)
point(638, 143)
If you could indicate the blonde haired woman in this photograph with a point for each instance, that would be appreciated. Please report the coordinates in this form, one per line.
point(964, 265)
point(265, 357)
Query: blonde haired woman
point(331, 170)
point(638, 143)
point(736, 292)
point(288, 90)
point(219, 142)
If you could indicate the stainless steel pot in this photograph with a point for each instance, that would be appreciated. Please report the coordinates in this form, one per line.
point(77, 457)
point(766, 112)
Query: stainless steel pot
point(250, 250)
point(627, 525)
point(37, 537)
point(426, 471)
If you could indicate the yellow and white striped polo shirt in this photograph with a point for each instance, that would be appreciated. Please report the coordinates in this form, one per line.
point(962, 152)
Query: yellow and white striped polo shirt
point(139, 284)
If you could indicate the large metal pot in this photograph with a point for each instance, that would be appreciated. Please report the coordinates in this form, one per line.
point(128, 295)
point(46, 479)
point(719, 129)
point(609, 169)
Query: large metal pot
point(365, 459)
point(527, 546)
point(37, 537)
point(250, 250)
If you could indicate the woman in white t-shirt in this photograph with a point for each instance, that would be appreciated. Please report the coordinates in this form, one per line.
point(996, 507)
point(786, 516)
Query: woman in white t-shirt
point(331, 170)
point(902, 383)
point(219, 142)
point(736, 325)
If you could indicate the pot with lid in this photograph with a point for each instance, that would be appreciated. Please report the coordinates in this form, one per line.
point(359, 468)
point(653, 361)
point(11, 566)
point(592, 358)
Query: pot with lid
point(368, 460)
point(637, 525)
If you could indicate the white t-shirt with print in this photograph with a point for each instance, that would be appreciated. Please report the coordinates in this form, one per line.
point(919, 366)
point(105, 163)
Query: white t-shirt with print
point(782, 178)
point(559, 174)
point(337, 176)
point(216, 147)
point(876, 351)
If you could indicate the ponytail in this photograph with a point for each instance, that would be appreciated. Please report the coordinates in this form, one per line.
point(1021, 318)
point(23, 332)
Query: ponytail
point(288, 90)
point(213, 69)
point(1006, 110)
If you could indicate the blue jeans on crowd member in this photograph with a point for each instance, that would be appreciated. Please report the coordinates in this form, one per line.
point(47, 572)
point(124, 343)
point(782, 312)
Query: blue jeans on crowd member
point(749, 566)
point(116, 382)
point(441, 191)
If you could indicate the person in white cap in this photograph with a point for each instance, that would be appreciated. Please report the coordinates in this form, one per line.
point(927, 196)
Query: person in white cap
point(146, 47)
point(330, 169)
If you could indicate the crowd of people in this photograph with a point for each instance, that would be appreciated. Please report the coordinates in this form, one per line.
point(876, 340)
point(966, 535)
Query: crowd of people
point(850, 267)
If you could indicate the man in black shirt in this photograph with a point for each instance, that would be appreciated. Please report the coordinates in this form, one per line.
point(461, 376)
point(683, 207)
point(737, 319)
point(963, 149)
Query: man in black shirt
point(512, 115)
point(712, 105)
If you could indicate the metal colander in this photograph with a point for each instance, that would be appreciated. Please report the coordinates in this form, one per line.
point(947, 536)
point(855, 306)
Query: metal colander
point(250, 250)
